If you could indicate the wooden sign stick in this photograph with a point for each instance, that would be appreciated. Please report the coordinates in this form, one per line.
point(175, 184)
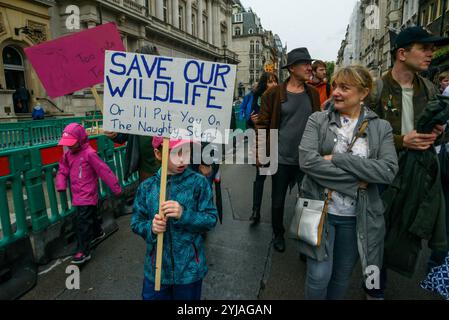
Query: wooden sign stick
point(99, 103)
point(162, 198)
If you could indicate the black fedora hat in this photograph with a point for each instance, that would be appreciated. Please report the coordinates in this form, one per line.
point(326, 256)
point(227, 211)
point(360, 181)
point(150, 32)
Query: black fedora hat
point(298, 55)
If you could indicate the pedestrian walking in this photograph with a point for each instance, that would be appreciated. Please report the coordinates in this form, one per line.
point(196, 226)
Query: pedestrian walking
point(21, 99)
point(286, 108)
point(354, 225)
point(82, 165)
point(320, 82)
point(267, 81)
point(401, 97)
point(246, 105)
point(188, 213)
point(443, 81)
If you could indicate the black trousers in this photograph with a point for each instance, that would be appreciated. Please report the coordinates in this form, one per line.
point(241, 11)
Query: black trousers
point(258, 190)
point(287, 175)
point(87, 226)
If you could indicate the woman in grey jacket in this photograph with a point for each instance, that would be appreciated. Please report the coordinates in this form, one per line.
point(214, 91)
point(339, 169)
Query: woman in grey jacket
point(355, 225)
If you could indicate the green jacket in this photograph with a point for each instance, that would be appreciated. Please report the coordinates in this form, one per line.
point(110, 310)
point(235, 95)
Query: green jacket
point(415, 207)
point(388, 105)
point(139, 154)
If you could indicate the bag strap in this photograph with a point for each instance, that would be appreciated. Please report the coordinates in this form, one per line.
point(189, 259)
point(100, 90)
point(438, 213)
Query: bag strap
point(361, 131)
point(358, 135)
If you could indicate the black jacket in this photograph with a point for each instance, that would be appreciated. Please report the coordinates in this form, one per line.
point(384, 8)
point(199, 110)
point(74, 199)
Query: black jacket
point(415, 207)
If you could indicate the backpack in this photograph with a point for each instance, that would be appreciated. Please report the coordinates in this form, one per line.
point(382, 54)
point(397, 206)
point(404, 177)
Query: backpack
point(38, 113)
point(246, 107)
point(377, 92)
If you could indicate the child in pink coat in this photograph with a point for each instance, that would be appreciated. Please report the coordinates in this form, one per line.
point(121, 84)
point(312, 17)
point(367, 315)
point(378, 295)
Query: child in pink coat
point(83, 166)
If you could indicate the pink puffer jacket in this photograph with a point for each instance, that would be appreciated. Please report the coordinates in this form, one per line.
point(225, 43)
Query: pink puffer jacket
point(84, 167)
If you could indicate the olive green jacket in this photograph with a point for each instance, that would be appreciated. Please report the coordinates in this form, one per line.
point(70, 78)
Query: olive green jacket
point(388, 105)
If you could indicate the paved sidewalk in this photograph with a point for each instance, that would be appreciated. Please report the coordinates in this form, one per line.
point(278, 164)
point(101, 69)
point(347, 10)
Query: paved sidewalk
point(242, 264)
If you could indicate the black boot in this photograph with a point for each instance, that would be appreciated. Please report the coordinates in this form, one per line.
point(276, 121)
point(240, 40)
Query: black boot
point(279, 243)
point(255, 217)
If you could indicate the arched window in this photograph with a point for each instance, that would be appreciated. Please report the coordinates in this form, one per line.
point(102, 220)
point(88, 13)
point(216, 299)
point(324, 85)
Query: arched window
point(238, 31)
point(251, 46)
point(15, 78)
point(250, 31)
point(14, 68)
point(257, 46)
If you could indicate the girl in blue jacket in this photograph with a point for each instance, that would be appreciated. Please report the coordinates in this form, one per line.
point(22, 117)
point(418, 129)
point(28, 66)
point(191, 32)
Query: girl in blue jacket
point(189, 213)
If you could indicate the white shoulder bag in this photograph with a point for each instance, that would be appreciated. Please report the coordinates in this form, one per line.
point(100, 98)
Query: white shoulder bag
point(310, 215)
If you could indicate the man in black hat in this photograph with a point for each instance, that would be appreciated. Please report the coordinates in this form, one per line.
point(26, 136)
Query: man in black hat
point(404, 92)
point(287, 108)
point(402, 95)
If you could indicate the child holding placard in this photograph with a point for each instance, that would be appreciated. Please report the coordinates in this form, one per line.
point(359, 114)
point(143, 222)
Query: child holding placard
point(189, 213)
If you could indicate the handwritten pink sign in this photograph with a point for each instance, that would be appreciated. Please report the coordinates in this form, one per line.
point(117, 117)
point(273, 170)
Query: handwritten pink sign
point(76, 61)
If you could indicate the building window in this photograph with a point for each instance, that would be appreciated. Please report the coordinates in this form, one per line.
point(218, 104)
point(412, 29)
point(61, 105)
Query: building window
point(251, 31)
point(251, 46)
point(181, 18)
point(238, 18)
point(238, 31)
point(257, 47)
point(251, 64)
point(205, 30)
point(15, 78)
point(194, 31)
point(251, 77)
point(14, 68)
point(431, 15)
point(395, 4)
point(165, 10)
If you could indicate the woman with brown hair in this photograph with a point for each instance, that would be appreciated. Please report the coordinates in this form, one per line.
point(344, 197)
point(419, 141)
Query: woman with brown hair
point(267, 81)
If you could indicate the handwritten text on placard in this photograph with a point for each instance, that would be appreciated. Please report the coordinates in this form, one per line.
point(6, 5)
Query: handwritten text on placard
point(75, 61)
point(169, 97)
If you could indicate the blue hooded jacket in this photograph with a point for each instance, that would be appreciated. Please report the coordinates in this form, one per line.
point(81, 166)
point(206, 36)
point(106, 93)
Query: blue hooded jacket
point(246, 107)
point(184, 259)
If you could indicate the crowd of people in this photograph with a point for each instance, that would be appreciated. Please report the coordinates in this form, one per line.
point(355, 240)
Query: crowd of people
point(375, 148)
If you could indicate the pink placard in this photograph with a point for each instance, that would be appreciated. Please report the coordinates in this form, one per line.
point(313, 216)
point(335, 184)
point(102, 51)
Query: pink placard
point(76, 61)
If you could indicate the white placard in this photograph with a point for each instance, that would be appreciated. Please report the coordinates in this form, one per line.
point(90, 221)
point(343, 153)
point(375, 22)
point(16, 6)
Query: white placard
point(167, 97)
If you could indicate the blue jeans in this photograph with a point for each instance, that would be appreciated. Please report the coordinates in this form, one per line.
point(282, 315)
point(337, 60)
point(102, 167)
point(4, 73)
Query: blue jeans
point(330, 278)
point(172, 292)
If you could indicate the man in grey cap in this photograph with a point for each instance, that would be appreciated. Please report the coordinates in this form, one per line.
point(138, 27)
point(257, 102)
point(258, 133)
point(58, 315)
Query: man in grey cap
point(286, 108)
